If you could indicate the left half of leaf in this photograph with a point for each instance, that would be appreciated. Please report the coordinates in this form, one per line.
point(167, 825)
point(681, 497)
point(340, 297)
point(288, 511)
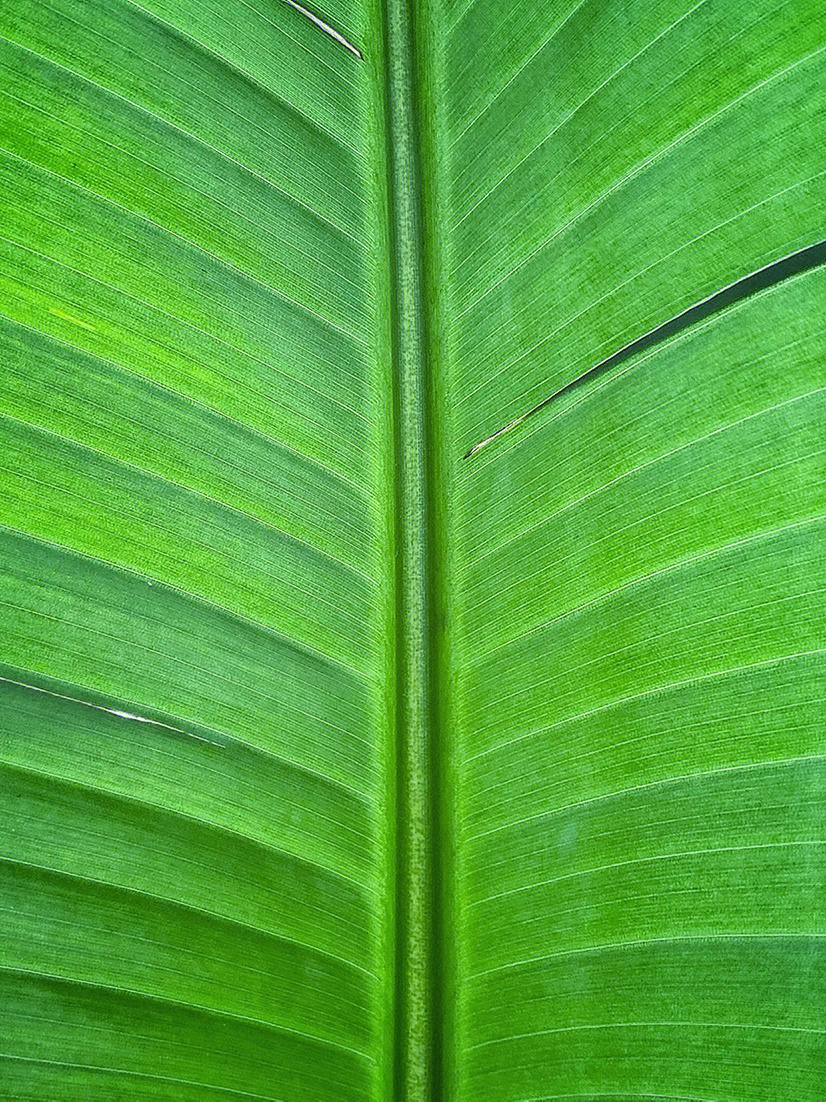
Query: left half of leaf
point(195, 587)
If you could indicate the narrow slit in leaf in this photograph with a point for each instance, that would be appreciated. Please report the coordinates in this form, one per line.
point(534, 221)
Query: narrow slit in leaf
point(812, 256)
point(110, 711)
point(331, 31)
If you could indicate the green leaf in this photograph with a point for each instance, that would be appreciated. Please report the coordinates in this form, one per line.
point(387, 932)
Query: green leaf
point(413, 522)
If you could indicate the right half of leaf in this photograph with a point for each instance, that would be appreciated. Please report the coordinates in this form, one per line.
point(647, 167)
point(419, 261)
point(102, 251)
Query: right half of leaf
point(637, 568)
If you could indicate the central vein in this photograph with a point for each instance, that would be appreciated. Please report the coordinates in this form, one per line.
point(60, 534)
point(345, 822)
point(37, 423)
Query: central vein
point(418, 904)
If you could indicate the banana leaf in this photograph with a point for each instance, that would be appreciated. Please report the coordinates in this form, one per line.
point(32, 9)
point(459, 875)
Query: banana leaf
point(413, 543)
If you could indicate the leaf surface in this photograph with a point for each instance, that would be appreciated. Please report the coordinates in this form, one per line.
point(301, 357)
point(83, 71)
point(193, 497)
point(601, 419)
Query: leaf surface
point(414, 642)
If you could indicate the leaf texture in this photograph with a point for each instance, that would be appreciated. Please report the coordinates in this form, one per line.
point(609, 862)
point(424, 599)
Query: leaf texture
point(638, 569)
point(194, 535)
point(376, 725)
